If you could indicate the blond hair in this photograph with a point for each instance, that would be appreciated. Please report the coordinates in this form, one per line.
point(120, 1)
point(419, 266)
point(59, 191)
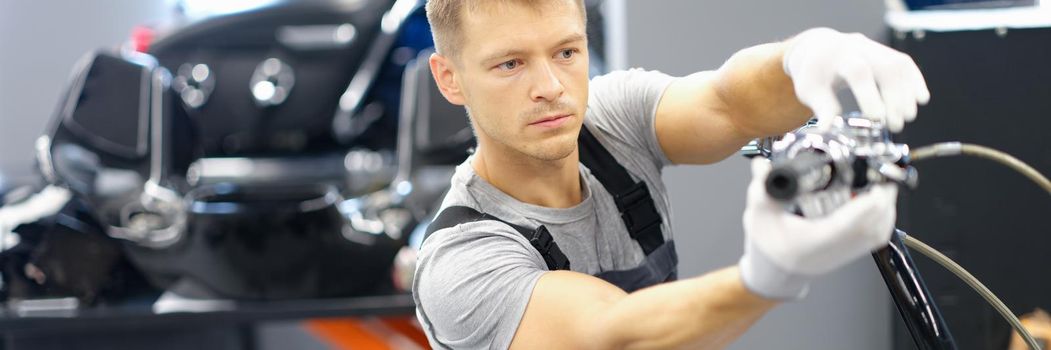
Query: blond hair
point(446, 22)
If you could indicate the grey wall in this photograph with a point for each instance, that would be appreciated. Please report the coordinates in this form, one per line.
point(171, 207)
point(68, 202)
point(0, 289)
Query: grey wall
point(39, 43)
point(848, 309)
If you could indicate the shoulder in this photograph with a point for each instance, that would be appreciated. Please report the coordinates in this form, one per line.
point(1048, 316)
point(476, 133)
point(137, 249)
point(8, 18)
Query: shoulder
point(473, 282)
point(622, 107)
point(630, 79)
point(489, 236)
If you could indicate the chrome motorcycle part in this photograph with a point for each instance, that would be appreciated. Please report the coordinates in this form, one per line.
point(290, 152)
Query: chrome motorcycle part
point(194, 82)
point(272, 82)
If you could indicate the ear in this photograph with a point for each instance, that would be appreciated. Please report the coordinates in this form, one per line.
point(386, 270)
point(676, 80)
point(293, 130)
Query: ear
point(445, 76)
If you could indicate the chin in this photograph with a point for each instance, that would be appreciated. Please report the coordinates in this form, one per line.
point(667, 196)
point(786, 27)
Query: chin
point(556, 148)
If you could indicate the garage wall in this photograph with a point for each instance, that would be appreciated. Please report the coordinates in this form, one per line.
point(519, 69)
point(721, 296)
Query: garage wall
point(39, 43)
point(849, 309)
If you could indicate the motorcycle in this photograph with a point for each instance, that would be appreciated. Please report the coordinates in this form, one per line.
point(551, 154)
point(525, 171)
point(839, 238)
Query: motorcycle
point(284, 152)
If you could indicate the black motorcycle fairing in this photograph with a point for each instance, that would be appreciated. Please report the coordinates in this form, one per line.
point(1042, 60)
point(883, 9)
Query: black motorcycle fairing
point(233, 46)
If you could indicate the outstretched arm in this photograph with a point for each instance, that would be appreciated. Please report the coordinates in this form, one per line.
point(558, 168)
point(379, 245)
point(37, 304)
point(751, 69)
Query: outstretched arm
point(772, 88)
point(783, 253)
point(570, 310)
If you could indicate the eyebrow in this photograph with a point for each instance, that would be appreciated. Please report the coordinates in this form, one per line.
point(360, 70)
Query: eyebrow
point(575, 37)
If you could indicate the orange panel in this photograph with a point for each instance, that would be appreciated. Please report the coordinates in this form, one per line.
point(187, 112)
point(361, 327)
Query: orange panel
point(408, 327)
point(345, 333)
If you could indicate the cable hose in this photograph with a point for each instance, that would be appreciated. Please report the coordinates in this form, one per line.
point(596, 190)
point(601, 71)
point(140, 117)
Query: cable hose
point(982, 290)
point(955, 148)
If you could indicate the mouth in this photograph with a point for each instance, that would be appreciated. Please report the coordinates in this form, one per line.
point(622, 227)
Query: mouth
point(552, 121)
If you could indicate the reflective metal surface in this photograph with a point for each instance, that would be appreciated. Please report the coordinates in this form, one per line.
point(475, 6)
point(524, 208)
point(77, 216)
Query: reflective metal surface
point(847, 158)
point(352, 99)
point(272, 82)
point(194, 82)
point(816, 171)
point(317, 37)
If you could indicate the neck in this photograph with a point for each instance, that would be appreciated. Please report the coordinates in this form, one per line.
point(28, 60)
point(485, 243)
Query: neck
point(552, 184)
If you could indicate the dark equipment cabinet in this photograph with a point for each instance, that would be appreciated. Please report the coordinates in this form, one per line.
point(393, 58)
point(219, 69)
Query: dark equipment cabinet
point(991, 88)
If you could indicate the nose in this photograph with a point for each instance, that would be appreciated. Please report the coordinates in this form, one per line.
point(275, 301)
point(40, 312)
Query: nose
point(546, 86)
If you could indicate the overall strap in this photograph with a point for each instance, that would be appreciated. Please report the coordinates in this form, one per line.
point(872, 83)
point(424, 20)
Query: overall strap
point(539, 238)
point(633, 199)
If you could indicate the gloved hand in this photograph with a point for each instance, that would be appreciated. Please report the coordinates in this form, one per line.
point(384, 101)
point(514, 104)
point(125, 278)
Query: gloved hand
point(886, 83)
point(784, 252)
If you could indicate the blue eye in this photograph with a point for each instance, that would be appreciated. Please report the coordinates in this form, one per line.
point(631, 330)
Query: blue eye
point(509, 65)
point(568, 53)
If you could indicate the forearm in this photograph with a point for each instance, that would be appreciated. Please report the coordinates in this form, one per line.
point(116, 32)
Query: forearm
point(757, 93)
point(707, 116)
point(706, 312)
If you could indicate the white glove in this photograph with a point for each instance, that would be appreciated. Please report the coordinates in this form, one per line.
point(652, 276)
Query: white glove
point(886, 83)
point(784, 252)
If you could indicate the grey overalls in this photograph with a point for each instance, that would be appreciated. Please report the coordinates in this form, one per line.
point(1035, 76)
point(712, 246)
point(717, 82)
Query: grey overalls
point(637, 210)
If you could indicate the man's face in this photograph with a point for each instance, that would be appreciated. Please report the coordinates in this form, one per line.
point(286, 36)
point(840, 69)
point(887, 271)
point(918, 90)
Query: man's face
point(523, 73)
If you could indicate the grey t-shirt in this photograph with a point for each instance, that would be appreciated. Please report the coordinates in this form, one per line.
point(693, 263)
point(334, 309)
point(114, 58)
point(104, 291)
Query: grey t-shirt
point(473, 281)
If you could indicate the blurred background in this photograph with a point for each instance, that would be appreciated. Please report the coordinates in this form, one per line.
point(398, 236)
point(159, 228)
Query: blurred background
point(252, 92)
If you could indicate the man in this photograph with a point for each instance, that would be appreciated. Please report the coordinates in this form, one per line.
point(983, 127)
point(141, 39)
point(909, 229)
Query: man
point(521, 70)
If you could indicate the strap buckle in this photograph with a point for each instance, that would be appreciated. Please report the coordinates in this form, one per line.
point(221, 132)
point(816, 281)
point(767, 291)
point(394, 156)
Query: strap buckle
point(637, 209)
point(542, 241)
point(640, 215)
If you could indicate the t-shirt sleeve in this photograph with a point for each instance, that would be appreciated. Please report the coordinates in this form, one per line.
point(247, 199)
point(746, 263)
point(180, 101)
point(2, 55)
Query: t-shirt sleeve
point(623, 105)
point(473, 284)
